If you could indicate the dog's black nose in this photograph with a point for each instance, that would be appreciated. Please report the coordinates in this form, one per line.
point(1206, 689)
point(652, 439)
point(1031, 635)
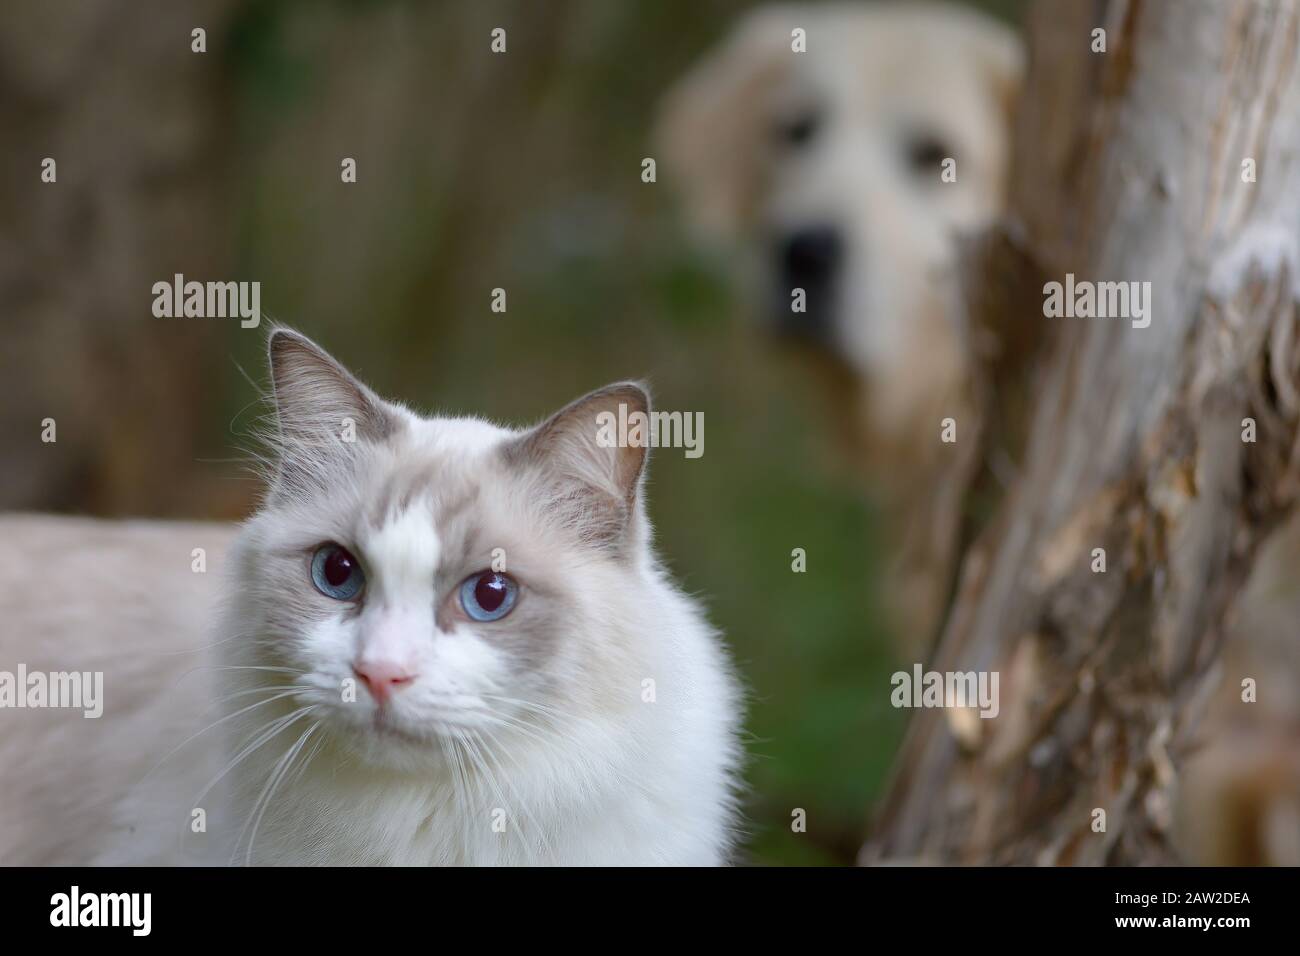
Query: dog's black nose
point(808, 260)
point(811, 255)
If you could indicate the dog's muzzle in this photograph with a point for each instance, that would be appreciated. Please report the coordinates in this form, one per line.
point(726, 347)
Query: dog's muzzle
point(808, 259)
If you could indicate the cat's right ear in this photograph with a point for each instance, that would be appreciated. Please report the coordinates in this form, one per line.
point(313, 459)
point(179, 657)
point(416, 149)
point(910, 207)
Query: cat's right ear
point(320, 406)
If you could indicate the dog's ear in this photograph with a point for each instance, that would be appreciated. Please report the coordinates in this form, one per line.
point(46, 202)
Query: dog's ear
point(1000, 58)
point(711, 124)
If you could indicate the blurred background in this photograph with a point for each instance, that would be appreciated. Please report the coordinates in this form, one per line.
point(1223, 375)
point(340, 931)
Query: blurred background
point(474, 171)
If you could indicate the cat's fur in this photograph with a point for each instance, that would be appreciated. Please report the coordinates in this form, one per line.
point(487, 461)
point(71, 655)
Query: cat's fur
point(594, 724)
point(122, 598)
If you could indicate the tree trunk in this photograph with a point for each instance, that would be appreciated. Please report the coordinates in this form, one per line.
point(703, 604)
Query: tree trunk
point(1129, 167)
point(140, 131)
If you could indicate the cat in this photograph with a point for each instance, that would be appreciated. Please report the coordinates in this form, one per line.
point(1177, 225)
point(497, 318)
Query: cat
point(445, 642)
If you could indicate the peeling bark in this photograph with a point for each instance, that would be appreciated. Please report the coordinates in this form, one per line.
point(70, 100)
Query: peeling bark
point(1128, 167)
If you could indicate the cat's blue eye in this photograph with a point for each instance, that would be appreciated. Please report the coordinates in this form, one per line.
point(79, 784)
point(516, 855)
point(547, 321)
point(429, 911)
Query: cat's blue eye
point(336, 573)
point(488, 596)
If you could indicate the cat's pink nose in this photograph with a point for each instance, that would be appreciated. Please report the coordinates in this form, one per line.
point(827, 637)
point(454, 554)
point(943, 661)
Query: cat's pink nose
point(384, 678)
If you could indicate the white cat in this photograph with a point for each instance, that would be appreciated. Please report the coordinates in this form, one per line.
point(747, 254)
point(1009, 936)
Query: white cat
point(447, 642)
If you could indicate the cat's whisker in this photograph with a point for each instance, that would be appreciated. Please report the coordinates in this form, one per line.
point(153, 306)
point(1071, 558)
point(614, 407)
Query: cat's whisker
point(268, 793)
point(448, 747)
point(535, 732)
point(528, 705)
point(459, 779)
point(523, 806)
point(237, 667)
point(481, 751)
point(549, 730)
point(266, 731)
point(558, 725)
point(273, 728)
point(205, 647)
point(484, 775)
point(215, 723)
point(554, 742)
point(532, 706)
point(472, 792)
point(320, 742)
point(560, 720)
point(259, 690)
point(536, 705)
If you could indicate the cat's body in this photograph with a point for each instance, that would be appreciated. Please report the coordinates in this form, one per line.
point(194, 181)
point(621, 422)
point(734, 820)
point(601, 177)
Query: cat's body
point(121, 598)
point(443, 642)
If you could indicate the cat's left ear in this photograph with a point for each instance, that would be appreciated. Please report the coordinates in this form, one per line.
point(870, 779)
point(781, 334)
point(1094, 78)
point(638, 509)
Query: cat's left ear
point(594, 450)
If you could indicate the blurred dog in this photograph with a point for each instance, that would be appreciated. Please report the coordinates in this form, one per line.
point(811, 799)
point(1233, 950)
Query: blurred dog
point(825, 170)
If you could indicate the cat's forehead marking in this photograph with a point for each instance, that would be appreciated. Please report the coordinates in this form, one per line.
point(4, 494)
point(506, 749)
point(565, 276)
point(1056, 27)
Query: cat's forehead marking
point(403, 549)
point(436, 483)
point(422, 503)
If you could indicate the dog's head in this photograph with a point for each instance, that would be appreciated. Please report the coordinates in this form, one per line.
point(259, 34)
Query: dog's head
point(826, 165)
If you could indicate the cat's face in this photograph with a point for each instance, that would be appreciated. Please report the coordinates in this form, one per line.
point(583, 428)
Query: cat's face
point(422, 580)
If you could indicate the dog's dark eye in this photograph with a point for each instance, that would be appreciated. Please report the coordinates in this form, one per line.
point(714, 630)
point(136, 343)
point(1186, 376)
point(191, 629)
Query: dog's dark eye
point(925, 153)
point(797, 130)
